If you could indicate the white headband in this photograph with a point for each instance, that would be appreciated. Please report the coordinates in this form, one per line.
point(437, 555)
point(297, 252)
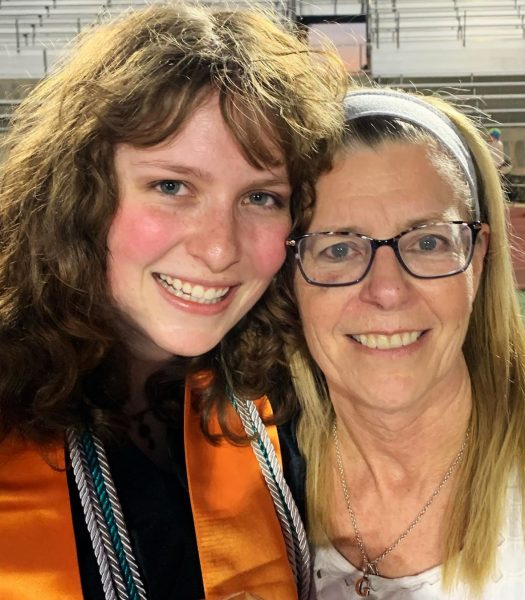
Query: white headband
point(379, 103)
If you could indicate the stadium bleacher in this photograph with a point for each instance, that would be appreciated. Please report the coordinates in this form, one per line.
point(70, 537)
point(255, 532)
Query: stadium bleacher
point(447, 36)
point(461, 21)
point(470, 51)
point(412, 44)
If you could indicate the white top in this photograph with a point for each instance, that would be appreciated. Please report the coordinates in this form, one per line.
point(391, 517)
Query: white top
point(335, 577)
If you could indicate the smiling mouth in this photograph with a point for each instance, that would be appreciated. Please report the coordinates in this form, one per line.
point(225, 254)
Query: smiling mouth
point(193, 293)
point(388, 342)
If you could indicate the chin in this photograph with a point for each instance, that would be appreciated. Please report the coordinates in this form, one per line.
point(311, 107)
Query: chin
point(391, 397)
point(158, 349)
point(192, 348)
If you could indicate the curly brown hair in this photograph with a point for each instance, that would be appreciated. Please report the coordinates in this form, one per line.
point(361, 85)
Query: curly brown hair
point(132, 80)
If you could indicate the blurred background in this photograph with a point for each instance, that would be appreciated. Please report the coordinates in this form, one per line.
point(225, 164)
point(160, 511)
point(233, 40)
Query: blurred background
point(470, 51)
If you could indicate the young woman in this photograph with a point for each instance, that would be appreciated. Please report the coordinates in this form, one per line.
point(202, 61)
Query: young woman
point(149, 184)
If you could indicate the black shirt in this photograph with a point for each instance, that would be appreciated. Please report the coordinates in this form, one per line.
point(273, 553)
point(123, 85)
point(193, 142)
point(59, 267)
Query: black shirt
point(157, 510)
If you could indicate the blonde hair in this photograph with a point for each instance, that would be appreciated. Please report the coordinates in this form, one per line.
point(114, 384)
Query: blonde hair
point(495, 353)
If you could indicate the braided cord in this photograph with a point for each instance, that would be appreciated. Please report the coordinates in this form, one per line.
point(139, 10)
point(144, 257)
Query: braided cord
point(104, 519)
point(116, 511)
point(81, 473)
point(105, 522)
point(300, 537)
point(286, 509)
point(269, 476)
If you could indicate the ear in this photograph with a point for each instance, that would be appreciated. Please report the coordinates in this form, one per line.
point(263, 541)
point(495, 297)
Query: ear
point(480, 251)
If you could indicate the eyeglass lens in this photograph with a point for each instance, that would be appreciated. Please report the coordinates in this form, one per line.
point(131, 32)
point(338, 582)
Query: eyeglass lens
point(432, 250)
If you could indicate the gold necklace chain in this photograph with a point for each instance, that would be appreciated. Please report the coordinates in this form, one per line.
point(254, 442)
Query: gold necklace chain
point(362, 585)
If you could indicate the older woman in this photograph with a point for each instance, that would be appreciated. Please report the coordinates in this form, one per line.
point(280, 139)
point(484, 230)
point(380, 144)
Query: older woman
point(411, 371)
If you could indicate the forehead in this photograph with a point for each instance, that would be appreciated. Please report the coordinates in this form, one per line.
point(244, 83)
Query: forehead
point(394, 183)
point(204, 139)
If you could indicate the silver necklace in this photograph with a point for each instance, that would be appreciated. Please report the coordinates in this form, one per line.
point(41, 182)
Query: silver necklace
point(369, 567)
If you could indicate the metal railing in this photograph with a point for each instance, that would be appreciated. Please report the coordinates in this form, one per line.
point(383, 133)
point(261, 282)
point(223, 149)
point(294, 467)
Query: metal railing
point(25, 32)
point(393, 4)
point(28, 38)
point(495, 101)
point(461, 19)
point(43, 16)
point(364, 6)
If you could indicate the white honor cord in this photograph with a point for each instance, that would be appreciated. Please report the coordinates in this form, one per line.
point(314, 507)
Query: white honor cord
point(286, 509)
point(118, 568)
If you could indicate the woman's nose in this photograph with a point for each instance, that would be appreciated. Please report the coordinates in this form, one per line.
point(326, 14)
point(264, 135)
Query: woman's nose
point(216, 240)
point(386, 284)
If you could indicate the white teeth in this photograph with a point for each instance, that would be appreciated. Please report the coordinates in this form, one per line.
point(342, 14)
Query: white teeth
point(396, 340)
point(366, 341)
point(209, 294)
point(406, 338)
point(388, 342)
point(197, 292)
point(382, 342)
point(194, 293)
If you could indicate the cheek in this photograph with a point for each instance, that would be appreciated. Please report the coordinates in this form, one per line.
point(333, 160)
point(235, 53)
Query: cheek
point(313, 312)
point(266, 247)
point(452, 301)
point(138, 237)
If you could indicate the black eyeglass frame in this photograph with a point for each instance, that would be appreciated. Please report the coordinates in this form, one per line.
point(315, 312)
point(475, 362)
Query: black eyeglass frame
point(294, 244)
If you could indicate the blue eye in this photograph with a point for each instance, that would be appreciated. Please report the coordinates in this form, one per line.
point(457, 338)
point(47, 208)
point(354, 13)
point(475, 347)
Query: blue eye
point(428, 243)
point(262, 199)
point(169, 187)
point(338, 251)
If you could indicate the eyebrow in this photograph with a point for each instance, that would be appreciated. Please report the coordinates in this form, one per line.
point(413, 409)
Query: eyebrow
point(434, 217)
point(178, 169)
point(205, 175)
point(443, 215)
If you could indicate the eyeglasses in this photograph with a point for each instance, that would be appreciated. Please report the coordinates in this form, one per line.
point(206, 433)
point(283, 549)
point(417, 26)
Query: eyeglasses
point(429, 251)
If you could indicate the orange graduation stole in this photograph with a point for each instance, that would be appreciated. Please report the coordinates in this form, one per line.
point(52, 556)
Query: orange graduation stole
point(241, 546)
point(38, 556)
